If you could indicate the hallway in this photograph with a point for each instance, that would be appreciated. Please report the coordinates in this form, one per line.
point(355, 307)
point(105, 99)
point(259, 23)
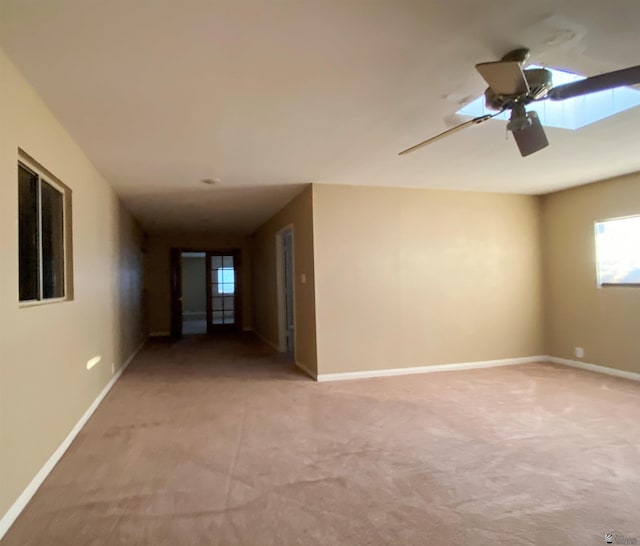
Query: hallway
point(217, 440)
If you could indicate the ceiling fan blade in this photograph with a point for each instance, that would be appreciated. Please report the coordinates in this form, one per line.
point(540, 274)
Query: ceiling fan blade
point(474, 121)
point(531, 139)
point(504, 77)
point(601, 82)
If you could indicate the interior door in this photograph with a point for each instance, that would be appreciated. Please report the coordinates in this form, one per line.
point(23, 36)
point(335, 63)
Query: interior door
point(223, 290)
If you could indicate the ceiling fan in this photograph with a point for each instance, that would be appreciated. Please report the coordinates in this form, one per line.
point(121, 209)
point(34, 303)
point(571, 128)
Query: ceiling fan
point(512, 88)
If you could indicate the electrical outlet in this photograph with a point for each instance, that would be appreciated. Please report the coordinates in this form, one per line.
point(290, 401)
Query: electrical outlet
point(579, 352)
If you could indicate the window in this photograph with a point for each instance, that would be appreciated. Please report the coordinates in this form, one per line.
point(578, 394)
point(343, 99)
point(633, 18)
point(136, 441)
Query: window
point(618, 251)
point(571, 113)
point(226, 280)
point(41, 233)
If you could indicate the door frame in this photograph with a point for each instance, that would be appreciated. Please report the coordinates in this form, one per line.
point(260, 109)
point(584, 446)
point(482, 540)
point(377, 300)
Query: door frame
point(280, 290)
point(175, 286)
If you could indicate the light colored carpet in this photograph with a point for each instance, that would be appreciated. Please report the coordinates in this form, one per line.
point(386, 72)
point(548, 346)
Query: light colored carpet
point(216, 441)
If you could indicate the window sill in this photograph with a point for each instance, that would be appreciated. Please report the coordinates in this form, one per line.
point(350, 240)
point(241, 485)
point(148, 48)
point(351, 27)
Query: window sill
point(617, 284)
point(36, 303)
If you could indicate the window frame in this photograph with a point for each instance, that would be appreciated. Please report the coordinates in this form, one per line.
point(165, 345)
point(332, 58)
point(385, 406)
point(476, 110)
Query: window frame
point(597, 261)
point(43, 175)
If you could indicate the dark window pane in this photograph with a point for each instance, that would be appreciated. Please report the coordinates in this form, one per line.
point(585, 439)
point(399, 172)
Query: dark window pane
point(227, 261)
point(217, 317)
point(229, 316)
point(28, 234)
point(52, 242)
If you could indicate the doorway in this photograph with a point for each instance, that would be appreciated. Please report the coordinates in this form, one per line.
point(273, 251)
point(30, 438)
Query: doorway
point(194, 293)
point(286, 295)
point(205, 291)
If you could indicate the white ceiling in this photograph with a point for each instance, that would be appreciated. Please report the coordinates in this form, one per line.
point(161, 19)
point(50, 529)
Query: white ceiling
point(270, 95)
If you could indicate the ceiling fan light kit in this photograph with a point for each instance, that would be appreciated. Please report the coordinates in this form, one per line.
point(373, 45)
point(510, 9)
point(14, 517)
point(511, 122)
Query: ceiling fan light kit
point(511, 87)
point(520, 119)
point(531, 137)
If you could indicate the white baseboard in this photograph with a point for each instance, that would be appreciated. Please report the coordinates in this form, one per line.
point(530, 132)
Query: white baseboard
point(595, 368)
point(306, 370)
point(341, 376)
point(159, 334)
point(14, 511)
point(431, 369)
point(271, 344)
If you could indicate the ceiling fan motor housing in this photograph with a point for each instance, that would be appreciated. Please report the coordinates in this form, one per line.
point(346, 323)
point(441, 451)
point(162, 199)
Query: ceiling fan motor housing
point(540, 82)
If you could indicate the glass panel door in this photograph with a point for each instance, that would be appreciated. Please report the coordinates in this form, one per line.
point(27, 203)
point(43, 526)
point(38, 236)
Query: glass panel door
point(223, 289)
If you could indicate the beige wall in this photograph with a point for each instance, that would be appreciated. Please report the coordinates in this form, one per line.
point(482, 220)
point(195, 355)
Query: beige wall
point(419, 277)
point(158, 273)
point(44, 384)
point(603, 321)
point(297, 213)
point(194, 286)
